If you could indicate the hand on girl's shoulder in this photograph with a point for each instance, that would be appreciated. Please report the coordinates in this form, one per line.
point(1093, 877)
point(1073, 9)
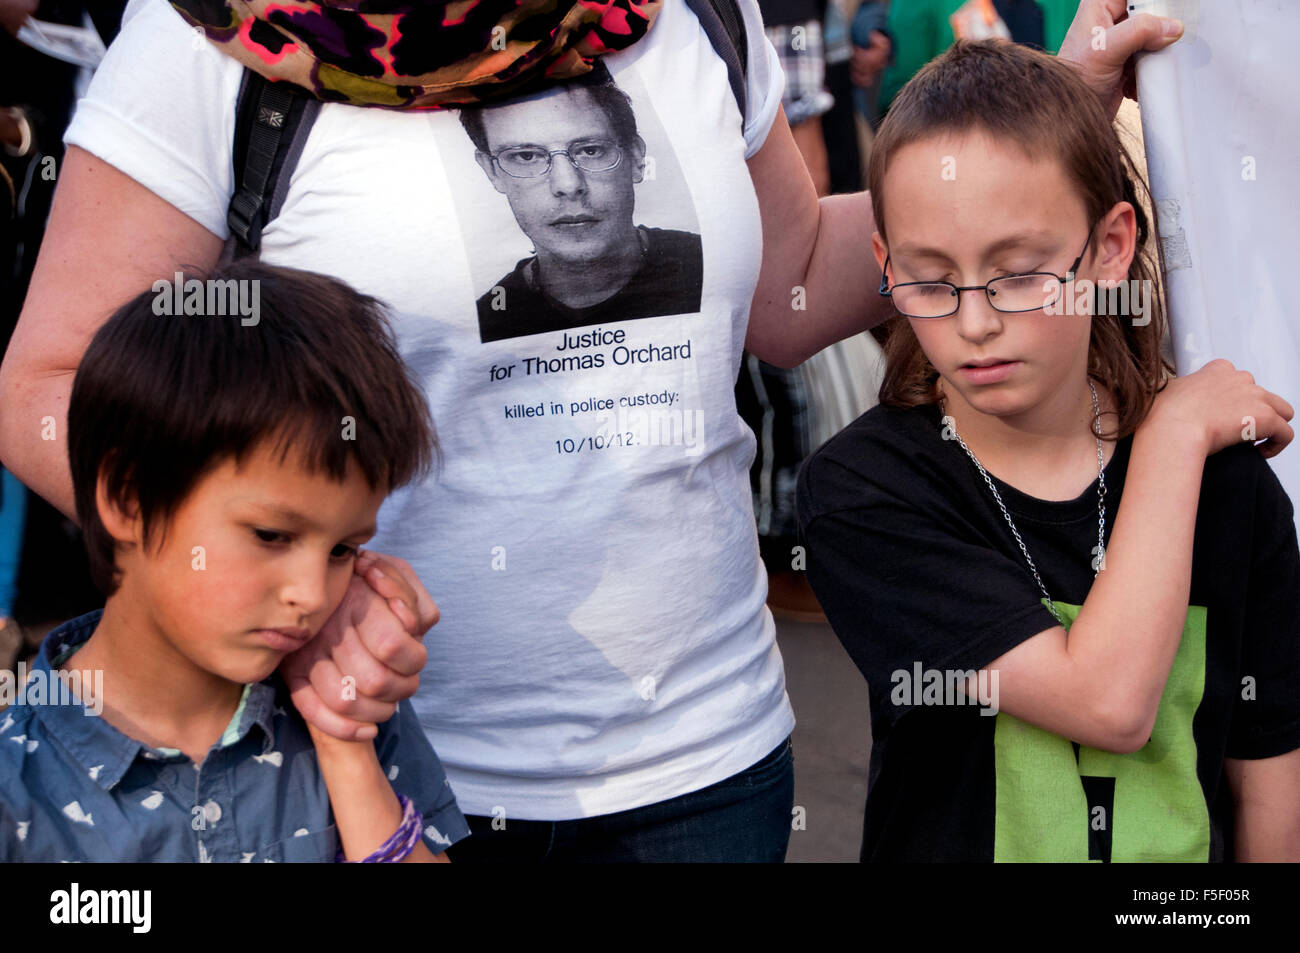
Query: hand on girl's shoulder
point(1218, 406)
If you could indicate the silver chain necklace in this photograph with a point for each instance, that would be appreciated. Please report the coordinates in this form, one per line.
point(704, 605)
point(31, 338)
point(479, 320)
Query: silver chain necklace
point(1101, 497)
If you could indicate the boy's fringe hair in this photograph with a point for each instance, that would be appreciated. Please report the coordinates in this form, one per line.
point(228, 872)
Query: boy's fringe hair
point(1040, 103)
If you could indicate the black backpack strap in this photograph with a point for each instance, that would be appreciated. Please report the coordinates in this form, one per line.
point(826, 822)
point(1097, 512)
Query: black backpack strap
point(724, 25)
point(272, 122)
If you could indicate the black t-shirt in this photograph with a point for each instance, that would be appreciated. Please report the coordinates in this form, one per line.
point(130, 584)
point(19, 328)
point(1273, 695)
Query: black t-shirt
point(917, 570)
point(669, 281)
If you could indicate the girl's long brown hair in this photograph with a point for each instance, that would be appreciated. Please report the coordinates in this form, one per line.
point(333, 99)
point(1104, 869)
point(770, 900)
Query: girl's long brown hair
point(1043, 106)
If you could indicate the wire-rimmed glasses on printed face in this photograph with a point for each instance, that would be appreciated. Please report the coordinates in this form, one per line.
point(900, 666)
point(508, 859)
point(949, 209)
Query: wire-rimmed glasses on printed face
point(587, 155)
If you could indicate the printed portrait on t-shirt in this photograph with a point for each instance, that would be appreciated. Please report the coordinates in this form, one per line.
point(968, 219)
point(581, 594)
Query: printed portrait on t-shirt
point(572, 164)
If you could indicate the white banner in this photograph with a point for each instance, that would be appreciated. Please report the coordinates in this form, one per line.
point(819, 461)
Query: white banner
point(1221, 119)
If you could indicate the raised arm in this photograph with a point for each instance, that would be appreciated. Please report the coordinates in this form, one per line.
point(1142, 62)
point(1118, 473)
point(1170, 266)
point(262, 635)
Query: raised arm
point(1102, 684)
point(818, 281)
point(906, 578)
point(108, 239)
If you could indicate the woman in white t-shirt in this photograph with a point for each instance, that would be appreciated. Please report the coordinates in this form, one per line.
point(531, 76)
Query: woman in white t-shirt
point(605, 682)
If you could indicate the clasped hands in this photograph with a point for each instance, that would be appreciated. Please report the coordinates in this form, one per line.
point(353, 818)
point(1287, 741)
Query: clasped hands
point(368, 655)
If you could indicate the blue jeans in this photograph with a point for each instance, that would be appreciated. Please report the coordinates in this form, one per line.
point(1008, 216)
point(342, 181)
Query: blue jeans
point(742, 819)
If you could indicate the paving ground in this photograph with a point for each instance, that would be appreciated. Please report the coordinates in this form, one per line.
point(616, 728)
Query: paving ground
point(832, 742)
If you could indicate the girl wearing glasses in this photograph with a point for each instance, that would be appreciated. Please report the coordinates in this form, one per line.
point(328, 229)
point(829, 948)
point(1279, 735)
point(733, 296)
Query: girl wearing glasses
point(1033, 470)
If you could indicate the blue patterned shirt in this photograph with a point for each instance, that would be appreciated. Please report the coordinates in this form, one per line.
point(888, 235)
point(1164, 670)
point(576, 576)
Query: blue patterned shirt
point(74, 788)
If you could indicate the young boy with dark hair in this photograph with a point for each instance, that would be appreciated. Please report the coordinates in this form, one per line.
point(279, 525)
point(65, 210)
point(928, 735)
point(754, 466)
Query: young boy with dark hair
point(226, 473)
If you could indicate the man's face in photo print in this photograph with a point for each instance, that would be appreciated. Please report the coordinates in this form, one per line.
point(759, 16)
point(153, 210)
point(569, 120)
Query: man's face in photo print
point(570, 215)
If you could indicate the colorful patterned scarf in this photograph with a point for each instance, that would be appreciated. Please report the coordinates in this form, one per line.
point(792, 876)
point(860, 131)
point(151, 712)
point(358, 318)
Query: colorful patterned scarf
point(419, 54)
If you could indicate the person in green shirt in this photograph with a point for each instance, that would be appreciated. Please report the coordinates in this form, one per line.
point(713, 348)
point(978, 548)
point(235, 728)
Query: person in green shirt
point(921, 30)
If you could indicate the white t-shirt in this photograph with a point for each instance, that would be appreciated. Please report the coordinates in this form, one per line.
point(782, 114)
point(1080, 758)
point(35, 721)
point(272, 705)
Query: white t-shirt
point(1219, 122)
point(604, 642)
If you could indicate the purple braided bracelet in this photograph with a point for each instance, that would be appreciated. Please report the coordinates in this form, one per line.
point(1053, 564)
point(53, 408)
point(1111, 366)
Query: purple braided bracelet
point(399, 846)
